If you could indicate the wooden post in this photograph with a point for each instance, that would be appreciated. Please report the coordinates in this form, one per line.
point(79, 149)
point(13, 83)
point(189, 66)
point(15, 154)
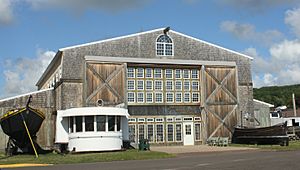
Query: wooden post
point(28, 133)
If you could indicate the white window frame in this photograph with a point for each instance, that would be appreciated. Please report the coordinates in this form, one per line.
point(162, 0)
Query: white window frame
point(177, 84)
point(138, 97)
point(158, 73)
point(144, 129)
point(133, 87)
point(176, 73)
point(184, 97)
point(176, 97)
point(188, 119)
point(162, 97)
point(133, 73)
point(163, 131)
point(133, 97)
point(131, 120)
point(181, 135)
point(164, 48)
point(169, 119)
point(159, 119)
point(139, 72)
point(198, 99)
point(199, 131)
point(195, 75)
point(168, 87)
point(138, 84)
point(178, 119)
point(197, 118)
point(153, 133)
point(184, 71)
point(167, 129)
point(148, 70)
point(147, 101)
point(167, 97)
point(148, 86)
point(184, 86)
point(141, 119)
point(161, 86)
point(150, 119)
point(193, 85)
point(135, 132)
point(167, 74)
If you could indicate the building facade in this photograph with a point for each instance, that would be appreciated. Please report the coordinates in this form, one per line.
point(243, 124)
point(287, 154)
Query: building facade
point(177, 89)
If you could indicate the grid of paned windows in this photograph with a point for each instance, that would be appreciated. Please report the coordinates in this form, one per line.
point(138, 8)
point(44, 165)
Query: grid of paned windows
point(163, 85)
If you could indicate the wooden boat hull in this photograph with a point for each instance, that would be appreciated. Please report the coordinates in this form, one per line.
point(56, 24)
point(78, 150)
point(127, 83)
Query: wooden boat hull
point(13, 126)
point(276, 134)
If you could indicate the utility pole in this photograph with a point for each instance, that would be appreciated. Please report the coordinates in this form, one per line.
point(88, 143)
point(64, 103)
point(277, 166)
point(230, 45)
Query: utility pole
point(294, 105)
point(294, 108)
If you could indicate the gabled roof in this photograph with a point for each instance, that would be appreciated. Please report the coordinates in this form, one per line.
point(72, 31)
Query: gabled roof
point(264, 103)
point(26, 94)
point(146, 32)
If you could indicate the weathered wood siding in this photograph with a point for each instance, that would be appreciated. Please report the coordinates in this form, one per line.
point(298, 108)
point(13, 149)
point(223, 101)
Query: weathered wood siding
point(220, 100)
point(106, 82)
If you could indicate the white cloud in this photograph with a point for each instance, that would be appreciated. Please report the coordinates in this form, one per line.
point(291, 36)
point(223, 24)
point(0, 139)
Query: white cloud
point(255, 6)
point(80, 5)
point(292, 18)
point(22, 74)
point(281, 68)
point(247, 32)
point(286, 51)
point(6, 12)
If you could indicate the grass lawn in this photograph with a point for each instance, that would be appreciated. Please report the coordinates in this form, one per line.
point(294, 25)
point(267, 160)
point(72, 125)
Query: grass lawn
point(293, 145)
point(54, 158)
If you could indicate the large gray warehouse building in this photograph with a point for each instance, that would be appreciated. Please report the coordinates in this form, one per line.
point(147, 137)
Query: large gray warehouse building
point(177, 89)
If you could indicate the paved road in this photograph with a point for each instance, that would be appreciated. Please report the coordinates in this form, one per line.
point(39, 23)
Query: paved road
point(239, 160)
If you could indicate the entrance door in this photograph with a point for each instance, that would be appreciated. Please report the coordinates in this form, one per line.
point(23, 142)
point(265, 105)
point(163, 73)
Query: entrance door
point(188, 133)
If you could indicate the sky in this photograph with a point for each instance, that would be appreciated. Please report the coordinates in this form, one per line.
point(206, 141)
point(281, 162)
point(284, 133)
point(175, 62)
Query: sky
point(32, 31)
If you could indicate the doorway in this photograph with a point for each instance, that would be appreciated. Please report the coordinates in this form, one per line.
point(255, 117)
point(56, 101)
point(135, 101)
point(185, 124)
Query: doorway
point(188, 133)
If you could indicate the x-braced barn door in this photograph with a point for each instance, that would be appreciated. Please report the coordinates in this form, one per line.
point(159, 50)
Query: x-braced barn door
point(221, 100)
point(106, 82)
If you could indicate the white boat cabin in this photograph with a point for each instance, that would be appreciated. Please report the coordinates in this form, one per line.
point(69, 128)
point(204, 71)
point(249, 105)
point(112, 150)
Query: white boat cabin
point(92, 128)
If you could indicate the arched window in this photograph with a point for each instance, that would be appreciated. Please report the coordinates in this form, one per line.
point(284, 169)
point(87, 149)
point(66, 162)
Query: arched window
point(164, 46)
